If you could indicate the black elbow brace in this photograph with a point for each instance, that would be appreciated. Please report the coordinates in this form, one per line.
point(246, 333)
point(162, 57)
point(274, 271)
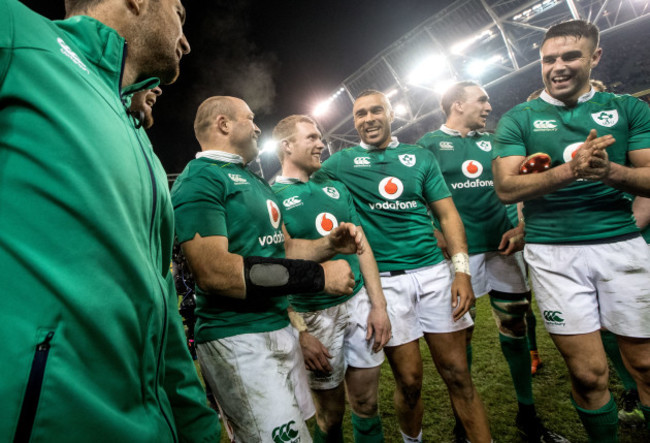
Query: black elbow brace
point(271, 277)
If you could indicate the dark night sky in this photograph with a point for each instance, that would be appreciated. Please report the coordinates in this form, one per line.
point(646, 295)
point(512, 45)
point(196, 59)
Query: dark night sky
point(282, 57)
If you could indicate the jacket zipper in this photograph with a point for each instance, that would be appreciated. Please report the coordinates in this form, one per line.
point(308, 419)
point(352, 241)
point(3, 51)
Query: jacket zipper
point(33, 391)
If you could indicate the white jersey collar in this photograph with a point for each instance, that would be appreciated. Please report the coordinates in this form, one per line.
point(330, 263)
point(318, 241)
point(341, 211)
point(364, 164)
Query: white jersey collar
point(221, 156)
point(553, 101)
point(393, 144)
point(287, 180)
point(447, 130)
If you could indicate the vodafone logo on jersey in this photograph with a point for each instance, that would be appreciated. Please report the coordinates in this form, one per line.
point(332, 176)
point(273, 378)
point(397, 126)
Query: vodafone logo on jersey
point(274, 213)
point(391, 188)
point(325, 222)
point(471, 168)
point(570, 151)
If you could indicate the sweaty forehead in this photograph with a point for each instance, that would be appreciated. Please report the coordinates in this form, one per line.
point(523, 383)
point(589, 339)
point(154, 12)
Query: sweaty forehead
point(561, 44)
point(369, 101)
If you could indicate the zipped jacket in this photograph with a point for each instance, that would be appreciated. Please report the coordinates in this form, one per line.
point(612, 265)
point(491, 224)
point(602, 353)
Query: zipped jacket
point(92, 343)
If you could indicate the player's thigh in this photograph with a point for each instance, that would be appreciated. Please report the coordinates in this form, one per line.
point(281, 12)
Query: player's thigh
point(401, 303)
point(564, 288)
point(435, 311)
point(507, 273)
point(362, 385)
point(636, 354)
point(254, 380)
point(623, 282)
point(328, 326)
point(330, 404)
point(406, 363)
point(585, 358)
point(449, 353)
point(358, 351)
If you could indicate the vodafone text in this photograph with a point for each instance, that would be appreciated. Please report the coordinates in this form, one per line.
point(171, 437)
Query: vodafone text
point(473, 184)
point(276, 238)
point(394, 205)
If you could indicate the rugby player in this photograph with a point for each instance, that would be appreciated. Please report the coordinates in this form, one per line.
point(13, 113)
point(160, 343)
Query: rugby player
point(142, 106)
point(230, 228)
point(393, 186)
point(589, 266)
point(341, 337)
point(496, 264)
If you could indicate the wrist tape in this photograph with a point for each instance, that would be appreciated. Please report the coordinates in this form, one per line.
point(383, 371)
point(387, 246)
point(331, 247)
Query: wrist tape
point(271, 277)
point(460, 261)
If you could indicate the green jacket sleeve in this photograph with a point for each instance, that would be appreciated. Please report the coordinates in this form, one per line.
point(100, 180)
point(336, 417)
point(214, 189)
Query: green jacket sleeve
point(195, 421)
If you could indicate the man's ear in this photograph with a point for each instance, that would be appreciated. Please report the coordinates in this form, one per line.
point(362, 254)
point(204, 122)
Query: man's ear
point(136, 6)
point(595, 57)
point(285, 146)
point(222, 124)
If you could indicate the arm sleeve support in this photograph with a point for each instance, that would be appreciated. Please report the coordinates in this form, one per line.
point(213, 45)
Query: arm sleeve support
point(271, 277)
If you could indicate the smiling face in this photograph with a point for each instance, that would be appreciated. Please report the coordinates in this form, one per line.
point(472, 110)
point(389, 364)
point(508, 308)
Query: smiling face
point(372, 118)
point(305, 147)
point(567, 62)
point(244, 132)
point(476, 107)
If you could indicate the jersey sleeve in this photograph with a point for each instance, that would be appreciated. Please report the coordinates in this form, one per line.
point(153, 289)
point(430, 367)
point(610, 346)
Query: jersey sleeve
point(434, 187)
point(639, 130)
point(508, 140)
point(200, 206)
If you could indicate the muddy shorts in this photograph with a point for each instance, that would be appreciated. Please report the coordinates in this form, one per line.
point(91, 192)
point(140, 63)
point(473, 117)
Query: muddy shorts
point(260, 384)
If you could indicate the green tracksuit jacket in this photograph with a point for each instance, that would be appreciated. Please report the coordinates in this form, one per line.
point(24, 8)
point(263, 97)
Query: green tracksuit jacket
point(92, 347)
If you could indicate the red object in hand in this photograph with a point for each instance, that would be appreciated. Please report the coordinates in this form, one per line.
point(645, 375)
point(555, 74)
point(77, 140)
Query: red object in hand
point(538, 162)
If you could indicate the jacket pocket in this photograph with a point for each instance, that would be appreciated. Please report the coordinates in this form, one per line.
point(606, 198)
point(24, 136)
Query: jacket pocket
point(33, 391)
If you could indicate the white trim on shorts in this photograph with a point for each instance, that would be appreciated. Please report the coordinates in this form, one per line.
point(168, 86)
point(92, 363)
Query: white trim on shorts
point(260, 384)
point(419, 302)
point(581, 288)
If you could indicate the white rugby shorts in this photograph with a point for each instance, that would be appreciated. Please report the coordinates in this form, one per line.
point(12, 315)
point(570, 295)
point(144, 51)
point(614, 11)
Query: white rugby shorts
point(419, 301)
point(581, 288)
point(493, 271)
point(260, 384)
point(342, 330)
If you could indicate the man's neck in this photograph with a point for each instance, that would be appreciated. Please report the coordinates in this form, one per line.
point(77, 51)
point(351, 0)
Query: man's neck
point(457, 124)
point(292, 171)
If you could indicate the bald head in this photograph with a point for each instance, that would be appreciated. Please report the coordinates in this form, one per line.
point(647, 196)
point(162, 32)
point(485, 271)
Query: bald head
point(209, 110)
point(226, 124)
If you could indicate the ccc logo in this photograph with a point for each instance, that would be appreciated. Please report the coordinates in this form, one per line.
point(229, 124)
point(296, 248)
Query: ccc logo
point(363, 161)
point(545, 124)
point(291, 201)
point(553, 316)
point(284, 433)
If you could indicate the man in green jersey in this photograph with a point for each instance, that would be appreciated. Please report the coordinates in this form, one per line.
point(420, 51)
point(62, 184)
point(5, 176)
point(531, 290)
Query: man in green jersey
point(342, 337)
point(97, 349)
point(496, 264)
point(393, 186)
point(230, 227)
point(589, 265)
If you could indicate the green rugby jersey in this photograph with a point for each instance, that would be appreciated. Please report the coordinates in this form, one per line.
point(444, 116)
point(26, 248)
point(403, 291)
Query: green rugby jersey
point(584, 210)
point(217, 195)
point(310, 211)
point(392, 189)
point(466, 165)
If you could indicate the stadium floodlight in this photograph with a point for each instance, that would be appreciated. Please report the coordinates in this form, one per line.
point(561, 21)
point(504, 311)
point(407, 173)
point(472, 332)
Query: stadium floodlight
point(268, 146)
point(536, 9)
point(428, 70)
point(442, 86)
point(322, 107)
point(400, 109)
point(459, 48)
point(478, 67)
point(391, 93)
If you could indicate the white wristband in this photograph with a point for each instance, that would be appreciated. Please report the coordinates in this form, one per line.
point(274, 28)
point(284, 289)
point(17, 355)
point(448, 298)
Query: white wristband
point(460, 261)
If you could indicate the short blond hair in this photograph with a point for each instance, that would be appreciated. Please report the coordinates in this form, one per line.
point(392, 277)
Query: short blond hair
point(208, 112)
point(286, 129)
